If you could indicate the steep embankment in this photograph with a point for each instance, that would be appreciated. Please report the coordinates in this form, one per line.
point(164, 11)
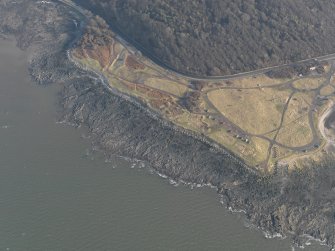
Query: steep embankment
point(300, 203)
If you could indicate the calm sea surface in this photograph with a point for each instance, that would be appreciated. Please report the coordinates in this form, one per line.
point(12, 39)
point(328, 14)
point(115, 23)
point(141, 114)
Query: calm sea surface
point(56, 195)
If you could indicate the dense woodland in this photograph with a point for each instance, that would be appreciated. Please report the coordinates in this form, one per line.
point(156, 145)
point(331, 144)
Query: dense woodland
point(215, 37)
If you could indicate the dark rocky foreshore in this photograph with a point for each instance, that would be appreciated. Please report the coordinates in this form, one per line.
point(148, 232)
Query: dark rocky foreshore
point(300, 204)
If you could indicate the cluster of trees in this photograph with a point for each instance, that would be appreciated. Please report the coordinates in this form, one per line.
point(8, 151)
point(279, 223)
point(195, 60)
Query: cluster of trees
point(214, 37)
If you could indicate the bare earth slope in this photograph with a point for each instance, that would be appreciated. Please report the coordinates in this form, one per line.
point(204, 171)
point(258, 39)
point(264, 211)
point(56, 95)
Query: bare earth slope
point(216, 37)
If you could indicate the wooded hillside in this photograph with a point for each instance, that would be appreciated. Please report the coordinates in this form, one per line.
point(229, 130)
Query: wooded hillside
point(216, 37)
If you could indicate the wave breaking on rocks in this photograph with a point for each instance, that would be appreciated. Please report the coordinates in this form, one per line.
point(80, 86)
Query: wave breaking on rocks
point(299, 204)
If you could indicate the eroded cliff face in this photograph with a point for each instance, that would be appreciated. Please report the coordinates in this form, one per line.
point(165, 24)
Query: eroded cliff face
point(300, 203)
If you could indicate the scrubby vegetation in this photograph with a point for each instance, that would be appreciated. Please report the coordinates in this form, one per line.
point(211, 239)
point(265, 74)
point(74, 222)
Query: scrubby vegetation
point(298, 204)
point(222, 36)
point(266, 122)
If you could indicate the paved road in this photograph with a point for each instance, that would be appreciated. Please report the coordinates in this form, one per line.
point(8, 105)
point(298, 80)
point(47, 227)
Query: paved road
point(141, 49)
point(218, 115)
point(315, 142)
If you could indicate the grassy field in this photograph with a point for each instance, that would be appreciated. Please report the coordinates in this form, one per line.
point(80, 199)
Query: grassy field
point(256, 111)
point(281, 154)
point(308, 84)
point(298, 106)
point(295, 134)
point(241, 114)
point(327, 90)
point(257, 81)
point(261, 148)
point(252, 153)
point(166, 85)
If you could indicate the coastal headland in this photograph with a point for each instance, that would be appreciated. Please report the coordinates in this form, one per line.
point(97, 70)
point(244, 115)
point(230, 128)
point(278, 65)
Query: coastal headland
point(179, 125)
point(267, 119)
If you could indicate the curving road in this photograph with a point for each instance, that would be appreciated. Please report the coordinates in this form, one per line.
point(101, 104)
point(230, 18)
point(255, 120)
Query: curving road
point(315, 142)
point(159, 62)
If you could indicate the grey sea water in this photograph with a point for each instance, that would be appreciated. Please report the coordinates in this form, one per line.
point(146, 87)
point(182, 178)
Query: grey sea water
point(56, 195)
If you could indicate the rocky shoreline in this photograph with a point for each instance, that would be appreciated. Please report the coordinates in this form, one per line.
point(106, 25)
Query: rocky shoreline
point(300, 204)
